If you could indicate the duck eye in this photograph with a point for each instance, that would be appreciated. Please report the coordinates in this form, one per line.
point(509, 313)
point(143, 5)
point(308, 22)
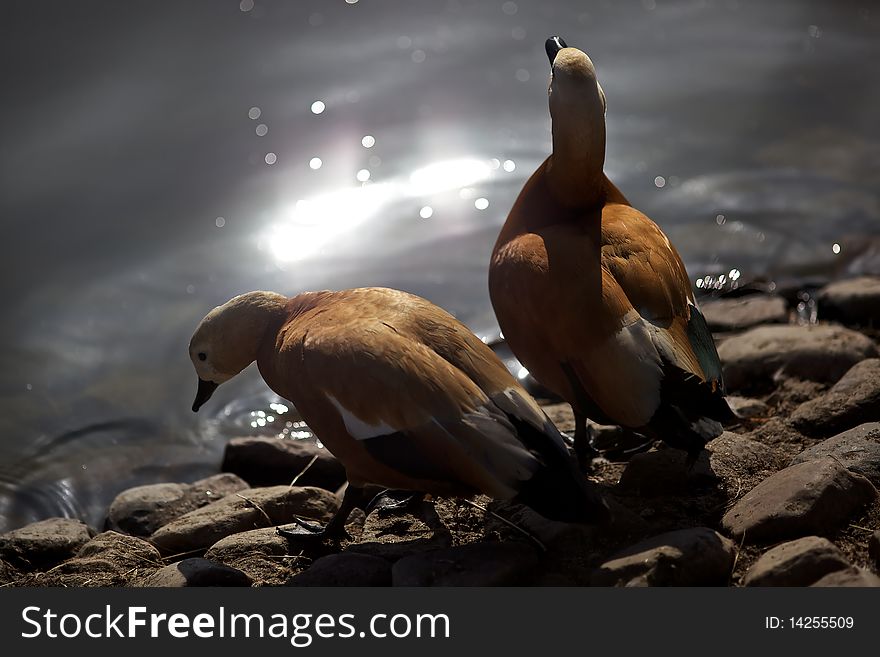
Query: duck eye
point(203, 355)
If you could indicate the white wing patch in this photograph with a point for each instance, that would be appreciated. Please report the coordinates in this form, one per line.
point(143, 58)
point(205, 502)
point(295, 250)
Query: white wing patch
point(356, 427)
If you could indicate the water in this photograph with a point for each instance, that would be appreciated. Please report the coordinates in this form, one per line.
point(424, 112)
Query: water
point(159, 159)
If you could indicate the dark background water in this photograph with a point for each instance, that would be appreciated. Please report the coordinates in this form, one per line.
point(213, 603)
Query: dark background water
point(136, 191)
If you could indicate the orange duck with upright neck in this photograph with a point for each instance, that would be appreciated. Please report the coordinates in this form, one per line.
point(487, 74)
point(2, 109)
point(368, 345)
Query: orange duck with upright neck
point(592, 297)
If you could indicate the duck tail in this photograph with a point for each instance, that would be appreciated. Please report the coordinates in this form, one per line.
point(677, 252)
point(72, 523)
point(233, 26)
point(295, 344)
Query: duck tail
point(557, 489)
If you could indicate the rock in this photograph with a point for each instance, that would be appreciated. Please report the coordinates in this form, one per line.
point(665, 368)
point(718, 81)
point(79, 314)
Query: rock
point(142, 510)
point(746, 407)
point(44, 543)
point(665, 472)
point(854, 301)
point(733, 453)
point(796, 563)
point(686, 557)
point(858, 450)
point(396, 535)
point(196, 572)
point(265, 461)
point(854, 399)
point(874, 548)
point(814, 497)
point(238, 512)
point(474, 564)
point(849, 577)
point(345, 569)
point(817, 353)
point(109, 559)
point(261, 554)
point(744, 312)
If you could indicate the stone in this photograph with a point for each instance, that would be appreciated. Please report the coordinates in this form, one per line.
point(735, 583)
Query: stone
point(874, 548)
point(266, 461)
point(734, 453)
point(814, 497)
point(345, 569)
point(396, 535)
point(238, 512)
point(854, 399)
point(44, 543)
point(108, 559)
point(744, 312)
point(850, 577)
point(857, 449)
point(196, 572)
point(697, 556)
point(747, 408)
point(142, 510)
point(475, 564)
point(261, 554)
point(855, 301)
point(665, 472)
point(796, 563)
point(817, 353)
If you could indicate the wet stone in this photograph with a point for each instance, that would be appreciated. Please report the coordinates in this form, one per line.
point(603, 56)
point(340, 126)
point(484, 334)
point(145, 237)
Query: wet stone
point(858, 450)
point(814, 497)
point(345, 569)
point(796, 563)
point(817, 353)
point(238, 512)
point(266, 461)
point(854, 399)
point(476, 564)
point(855, 301)
point(697, 556)
point(142, 510)
point(744, 312)
point(196, 572)
point(44, 543)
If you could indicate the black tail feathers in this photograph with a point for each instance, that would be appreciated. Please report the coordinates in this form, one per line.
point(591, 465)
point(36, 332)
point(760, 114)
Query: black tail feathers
point(558, 490)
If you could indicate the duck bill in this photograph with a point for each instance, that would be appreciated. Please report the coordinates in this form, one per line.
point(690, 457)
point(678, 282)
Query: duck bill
point(203, 394)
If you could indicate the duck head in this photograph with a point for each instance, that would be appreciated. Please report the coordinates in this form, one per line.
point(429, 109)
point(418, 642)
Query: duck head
point(228, 339)
point(577, 110)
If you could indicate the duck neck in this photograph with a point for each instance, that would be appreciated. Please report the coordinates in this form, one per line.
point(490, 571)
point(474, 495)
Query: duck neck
point(575, 169)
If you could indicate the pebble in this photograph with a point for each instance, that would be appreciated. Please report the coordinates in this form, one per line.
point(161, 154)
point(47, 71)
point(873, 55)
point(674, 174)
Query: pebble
point(854, 399)
point(857, 449)
point(665, 472)
point(796, 563)
point(266, 461)
point(744, 312)
point(108, 559)
point(817, 353)
point(475, 564)
point(814, 497)
point(261, 554)
point(238, 512)
point(345, 569)
point(44, 543)
point(746, 407)
point(697, 556)
point(142, 510)
point(855, 301)
point(850, 577)
point(196, 572)
point(397, 535)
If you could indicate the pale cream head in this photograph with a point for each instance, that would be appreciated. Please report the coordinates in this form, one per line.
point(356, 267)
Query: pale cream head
point(228, 339)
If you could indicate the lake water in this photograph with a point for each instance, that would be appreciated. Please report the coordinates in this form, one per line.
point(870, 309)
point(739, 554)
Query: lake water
point(160, 158)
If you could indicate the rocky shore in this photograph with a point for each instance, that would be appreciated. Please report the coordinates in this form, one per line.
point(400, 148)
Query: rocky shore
point(788, 496)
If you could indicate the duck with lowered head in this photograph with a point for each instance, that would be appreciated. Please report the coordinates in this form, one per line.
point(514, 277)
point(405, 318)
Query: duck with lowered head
point(402, 393)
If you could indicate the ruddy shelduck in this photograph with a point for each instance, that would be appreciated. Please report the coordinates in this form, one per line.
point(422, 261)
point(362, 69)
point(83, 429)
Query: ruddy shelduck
point(592, 297)
point(402, 393)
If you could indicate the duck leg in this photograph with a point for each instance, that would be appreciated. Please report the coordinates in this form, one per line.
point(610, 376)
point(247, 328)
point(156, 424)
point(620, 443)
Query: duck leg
point(583, 439)
point(394, 501)
point(333, 530)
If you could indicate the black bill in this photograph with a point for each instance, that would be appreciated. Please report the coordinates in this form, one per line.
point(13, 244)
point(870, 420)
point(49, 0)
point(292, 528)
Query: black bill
point(553, 45)
point(203, 394)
